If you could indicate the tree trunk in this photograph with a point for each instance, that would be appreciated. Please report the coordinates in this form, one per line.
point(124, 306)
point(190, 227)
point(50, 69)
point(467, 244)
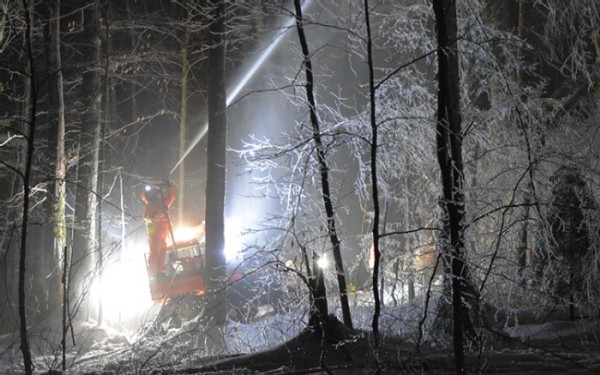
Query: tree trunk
point(449, 153)
point(130, 86)
point(84, 241)
point(185, 69)
point(374, 185)
point(522, 246)
point(53, 265)
point(324, 172)
point(29, 117)
point(216, 168)
point(106, 120)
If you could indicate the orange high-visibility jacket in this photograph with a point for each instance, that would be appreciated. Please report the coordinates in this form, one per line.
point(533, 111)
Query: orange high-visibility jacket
point(158, 199)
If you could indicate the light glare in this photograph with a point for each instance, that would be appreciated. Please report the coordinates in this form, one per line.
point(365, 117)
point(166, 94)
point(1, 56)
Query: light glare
point(185, 233)
point(323, 262)
point(233, 239)
point(124, 290)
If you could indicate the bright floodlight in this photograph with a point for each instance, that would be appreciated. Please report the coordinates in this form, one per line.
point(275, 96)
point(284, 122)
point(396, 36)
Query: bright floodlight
point(124, 290)
point(323, 262)
point(185, 233)
point(148, 187)
point(233, 239)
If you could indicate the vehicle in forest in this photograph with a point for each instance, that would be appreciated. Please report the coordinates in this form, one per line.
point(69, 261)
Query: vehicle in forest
point(176, 261)
point(177, 269)
point(185, 270)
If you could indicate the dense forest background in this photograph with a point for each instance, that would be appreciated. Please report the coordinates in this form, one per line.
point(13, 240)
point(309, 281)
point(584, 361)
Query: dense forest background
point(440, 155)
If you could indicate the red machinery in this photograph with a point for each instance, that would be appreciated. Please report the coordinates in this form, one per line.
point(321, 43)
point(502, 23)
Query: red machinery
point(185, 269)
point(174, 269)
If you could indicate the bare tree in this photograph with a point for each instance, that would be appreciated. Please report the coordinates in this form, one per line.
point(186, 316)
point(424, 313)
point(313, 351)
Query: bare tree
point(183, 123)
point(449, 152)
point(324, 174)
point(374, 179)
point(29, 123)
point(57, 140)
point(84, 241)
point(52, 265)
point(216, 162)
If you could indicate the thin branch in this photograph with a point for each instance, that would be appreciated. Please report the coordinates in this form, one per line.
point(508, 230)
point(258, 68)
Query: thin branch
point(395, 71)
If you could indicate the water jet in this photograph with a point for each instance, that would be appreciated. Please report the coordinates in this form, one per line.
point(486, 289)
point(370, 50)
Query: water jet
point(233, 94)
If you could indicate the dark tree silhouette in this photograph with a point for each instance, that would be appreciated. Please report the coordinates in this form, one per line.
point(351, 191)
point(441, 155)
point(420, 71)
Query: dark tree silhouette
point(374, 186)
point(29, 127)
point(216, 168)
point(449, 154)
point(56, 141)
point(563, 256)
point(320, 300)
point(89, 151)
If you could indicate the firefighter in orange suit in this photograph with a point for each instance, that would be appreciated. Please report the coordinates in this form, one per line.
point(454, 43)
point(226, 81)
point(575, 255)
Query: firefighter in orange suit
point(158, 199)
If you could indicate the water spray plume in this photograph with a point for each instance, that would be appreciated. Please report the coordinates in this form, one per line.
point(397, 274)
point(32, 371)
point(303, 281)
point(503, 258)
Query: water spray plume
point(190, 148)
point(243, 81)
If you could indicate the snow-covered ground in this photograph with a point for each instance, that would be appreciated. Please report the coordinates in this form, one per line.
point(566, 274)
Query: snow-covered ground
point(131, 351)
point(126, 350)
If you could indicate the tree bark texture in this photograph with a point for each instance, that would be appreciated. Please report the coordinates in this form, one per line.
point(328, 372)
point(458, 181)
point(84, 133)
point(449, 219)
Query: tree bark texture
point(374, 185)
point(29, 128)
point(449, 154)
point(84, 242)
point(216, 168)
point(183, 123)
point(324, 172)
point(53, 265)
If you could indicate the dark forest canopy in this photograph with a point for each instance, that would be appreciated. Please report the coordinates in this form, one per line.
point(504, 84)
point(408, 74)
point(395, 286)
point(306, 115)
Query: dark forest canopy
point(440, 155)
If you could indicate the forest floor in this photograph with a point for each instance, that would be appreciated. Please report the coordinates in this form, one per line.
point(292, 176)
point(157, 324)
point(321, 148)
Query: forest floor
point(552, 348)
point(280, 344)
